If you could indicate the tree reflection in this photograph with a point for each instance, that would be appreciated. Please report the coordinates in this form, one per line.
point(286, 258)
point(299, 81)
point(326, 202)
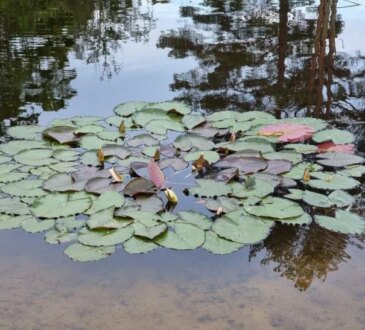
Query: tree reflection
point(257, 56)
point(37, 38)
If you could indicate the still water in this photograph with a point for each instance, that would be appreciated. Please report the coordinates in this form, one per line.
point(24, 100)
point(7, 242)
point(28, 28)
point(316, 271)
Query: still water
point(64, 58)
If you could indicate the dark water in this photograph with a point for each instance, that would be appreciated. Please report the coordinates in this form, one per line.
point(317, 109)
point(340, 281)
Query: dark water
point(64, 58)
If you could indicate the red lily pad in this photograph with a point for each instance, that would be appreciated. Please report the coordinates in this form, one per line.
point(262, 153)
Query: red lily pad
point(288, 132)
point(332, 147)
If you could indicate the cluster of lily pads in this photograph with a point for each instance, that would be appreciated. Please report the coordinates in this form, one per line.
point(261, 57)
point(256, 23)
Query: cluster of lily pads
point(99, 183)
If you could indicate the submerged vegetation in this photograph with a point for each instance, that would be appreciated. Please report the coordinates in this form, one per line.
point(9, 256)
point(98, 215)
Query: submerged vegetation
point(155, 175)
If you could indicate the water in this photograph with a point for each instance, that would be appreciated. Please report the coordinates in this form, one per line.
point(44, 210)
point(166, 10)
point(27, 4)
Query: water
point(64, 58)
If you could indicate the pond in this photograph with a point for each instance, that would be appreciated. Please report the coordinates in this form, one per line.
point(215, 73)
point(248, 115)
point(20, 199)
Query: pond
point(60, 59)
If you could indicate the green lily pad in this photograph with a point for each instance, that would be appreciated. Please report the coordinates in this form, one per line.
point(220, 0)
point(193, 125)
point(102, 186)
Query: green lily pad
point(56, 236)
point(171, 106)
point(12, 222)
point(277, 208)
point(293, 157)
point(241, 228)
point(341, 198)
point(32, 225)
point(191, 121)
point(316, 123)
point(12, 177)
point(66, 155)
point(11, 148)
point(104, 219)
point(297, 171)
point(184, 237)
point(218, 245)
point(264, 147)
point(105, 201)
point(304, 219)
point(224, 203)
point(141, 118)
point(129, 108)
point(24, 188)
point(62, 182)
point(91, 142)
point(356, 171)
point(35, 157)
point(332, 181)
point(59, 205)
point(139, 245)
point(302, 148)
point(85, 120)
point(106, 237)
point(338, 159)
point(150, 203)
point(317, 200)
point(337, 136)
point(260, 189)
point(143, 139)
point(82, 253)
point(109, 135)
point(143, 231)
point(13, 206)
point(344, 222)
point(28, 132)
point(189, 141)
point(89, 129)
point(210, 188)
point(161, 126)
point(196, 219)
point(64, 167)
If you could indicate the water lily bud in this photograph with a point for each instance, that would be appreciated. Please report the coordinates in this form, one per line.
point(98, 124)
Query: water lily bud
point(232, 138)
point(250, 181)
point(122, 127)
point(157, 156)
point(306, 175)
point(116, 176)
point(171, 196)
point(219, 211)
point(100, 155)
point(200, 162)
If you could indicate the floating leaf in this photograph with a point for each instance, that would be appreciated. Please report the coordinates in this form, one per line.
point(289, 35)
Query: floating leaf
point(105, 237)
point(12, 222)
point(82, 253)
point(63, 182)
point(191, 121)
point(332, 147)
point(155, 174)
point(176, 163)
point(13, 206)
point(277, 208)
point(129, 108)
point(99, 185)
point(35, 157)
point(184, 237)
point(103, 219)
point(260, 189)
point(356, 171)
point(32, 225)
point(344, 222)
point(218, 245)
point(315, 199)
point(210, 156)
point(162, 126)
point(172, 106)
point(139, 186)
point(141, 230)
point(196, 219)
point(241, 228)
point(189, 141)
point(332, 181)
point(24, 188)
point(243, 164)
point(142, 139)
point(341, 198)
point(277, 166)
point(66, 155)
point(55, 236)
point(210, 188)
point(139, 245)
point(302, 148)
point(105, 201)
point(337, 136)
point(11, 148)
point(288, 132)
point(28, 132)
point(61, 134)
point(59, 205)
point(297, 172)
point(338, 159)
point(151, 203)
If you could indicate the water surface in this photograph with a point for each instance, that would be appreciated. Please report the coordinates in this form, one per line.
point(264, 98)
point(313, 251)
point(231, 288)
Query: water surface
point(64, 58)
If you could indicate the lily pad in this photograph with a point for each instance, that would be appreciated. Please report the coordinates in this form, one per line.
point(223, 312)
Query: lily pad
point(105, 201)
point(243, 164)
point(139, 245)
point(11, 148)
point(35, 157)
point(13, 206)
point(12, 222)
point(28, 132)
point(99, 185)
point(210, 188)
point(337, 136)
point(344, 222)
point(196, 219)
point(210, 156)
point(139, 186)
point(332, 181)
point(171, 106)
point(218, 245)
point(129, 108)
point(161, 126)
point(191, 121)
point(34, 226)
point(338, 159)
point(24, 188)
point(189, 141)
point(184, 237)
point(58, 205)
point(241, 228)
point(105, 237)
point(61, 134)
point(277, 208)
point(104, 219)
point(82, 253)
point(143, 231)
point(341, 198)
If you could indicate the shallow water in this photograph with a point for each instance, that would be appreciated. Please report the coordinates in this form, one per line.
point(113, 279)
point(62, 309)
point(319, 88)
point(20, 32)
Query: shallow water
point(60, 59)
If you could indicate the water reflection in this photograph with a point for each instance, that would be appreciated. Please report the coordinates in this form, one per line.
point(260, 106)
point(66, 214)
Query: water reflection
point(273, 57)
point(37, 38)
point(304, 254)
